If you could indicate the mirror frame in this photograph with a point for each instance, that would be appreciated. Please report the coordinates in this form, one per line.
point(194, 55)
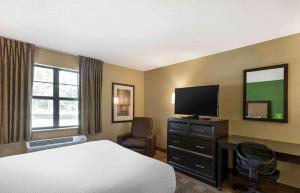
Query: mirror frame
point(285, 102)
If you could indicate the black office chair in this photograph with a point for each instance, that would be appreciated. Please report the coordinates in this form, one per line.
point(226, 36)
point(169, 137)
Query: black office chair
point(258, 162)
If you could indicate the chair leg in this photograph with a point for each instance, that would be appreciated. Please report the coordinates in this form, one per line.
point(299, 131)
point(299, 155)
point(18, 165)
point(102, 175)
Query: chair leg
point(254, 188)
point(234, 164)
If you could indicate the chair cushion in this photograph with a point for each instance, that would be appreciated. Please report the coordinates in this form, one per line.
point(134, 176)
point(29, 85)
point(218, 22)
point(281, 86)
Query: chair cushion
point(134, 142)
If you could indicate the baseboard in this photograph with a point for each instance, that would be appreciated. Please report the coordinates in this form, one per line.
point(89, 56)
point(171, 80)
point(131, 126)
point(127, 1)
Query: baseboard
point(161, 149)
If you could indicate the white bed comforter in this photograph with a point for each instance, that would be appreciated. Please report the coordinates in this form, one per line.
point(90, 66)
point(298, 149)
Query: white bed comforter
point(93, 167)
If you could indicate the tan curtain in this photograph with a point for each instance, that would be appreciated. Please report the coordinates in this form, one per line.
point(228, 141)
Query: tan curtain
point(16, 61)
point(91, 90)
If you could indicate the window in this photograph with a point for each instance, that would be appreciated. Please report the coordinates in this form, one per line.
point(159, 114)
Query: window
point(54, 98)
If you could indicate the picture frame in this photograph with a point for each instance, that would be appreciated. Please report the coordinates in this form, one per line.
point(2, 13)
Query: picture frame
point(122, 102)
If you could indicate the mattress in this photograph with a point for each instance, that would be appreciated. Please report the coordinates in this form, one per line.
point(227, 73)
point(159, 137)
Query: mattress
point(92, 167)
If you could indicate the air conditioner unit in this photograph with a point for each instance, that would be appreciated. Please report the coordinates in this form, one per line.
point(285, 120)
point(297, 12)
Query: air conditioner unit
point(54, 142)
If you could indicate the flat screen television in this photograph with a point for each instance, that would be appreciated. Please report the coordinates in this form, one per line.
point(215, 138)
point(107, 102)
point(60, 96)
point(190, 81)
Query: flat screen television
point(197, 101)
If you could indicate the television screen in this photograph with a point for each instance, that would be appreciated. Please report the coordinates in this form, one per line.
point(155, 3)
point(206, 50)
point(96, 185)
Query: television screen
point(202, 100)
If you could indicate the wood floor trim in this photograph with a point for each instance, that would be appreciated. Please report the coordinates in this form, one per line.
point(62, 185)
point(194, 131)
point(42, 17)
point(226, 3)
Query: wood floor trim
point(161, 149)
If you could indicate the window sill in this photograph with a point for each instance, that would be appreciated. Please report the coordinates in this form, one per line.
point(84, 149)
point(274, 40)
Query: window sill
point(54, 129)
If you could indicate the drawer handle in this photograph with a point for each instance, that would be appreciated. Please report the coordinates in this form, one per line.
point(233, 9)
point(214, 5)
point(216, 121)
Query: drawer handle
point(176, 158)
point(177, 127)
point(199, 147)
point(199, 166)
point(200, 130)
point(174, 141)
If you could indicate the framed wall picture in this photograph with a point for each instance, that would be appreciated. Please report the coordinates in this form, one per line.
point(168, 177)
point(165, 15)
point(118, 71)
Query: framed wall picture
point(122, 102)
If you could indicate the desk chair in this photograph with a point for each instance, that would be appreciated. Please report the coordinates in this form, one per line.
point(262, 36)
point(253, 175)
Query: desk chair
point(258, 162)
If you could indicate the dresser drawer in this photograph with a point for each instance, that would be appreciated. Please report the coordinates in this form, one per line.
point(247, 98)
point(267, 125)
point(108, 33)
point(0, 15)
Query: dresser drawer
point(177, 158)
point(201, 146)
point(191, 144)
point(202, 165)
point(202, 130)
point(197, 164)
point(178, 141)
point(177, 127)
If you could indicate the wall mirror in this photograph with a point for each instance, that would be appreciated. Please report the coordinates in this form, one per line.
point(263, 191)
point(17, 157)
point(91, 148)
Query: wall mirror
point(265, 94)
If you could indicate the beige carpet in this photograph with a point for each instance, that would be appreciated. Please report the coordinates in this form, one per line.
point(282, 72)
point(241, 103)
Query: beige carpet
point(187, 184)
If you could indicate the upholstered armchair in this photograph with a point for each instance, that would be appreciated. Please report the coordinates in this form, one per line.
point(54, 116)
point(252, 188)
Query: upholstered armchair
point(140, 139)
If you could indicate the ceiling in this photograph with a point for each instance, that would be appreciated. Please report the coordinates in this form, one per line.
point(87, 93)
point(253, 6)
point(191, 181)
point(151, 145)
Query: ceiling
point(147, 34)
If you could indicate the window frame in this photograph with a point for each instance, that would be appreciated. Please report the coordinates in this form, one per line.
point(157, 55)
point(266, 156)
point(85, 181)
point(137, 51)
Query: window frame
point(55, 98)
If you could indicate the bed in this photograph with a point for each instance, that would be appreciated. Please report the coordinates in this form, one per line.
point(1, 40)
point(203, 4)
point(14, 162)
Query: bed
point(92, 167)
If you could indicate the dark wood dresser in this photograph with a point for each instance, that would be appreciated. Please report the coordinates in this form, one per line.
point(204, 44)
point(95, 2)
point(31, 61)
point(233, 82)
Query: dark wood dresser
point(192, 147)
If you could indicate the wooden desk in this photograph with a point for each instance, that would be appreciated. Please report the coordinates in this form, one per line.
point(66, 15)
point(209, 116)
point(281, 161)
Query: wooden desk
point(288, 152)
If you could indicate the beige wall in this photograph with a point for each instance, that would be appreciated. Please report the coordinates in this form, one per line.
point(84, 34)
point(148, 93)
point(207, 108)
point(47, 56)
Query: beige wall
point(57, 59)
point(226, 69)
